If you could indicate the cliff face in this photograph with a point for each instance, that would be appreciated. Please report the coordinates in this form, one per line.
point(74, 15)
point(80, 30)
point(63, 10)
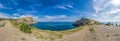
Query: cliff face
point(85, 21)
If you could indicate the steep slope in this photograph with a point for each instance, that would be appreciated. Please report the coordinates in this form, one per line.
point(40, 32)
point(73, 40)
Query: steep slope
point(85, 21)
point(81, 35)
point(10, 33)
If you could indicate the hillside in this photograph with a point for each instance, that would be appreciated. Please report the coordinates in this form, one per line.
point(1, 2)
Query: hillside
point(85, 21)
point(9, 32)
point(100, 33)
point(28, 20)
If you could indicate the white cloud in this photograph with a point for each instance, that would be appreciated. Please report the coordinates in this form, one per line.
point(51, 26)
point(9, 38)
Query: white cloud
point(65, 6)
point(114, 11)
point(70, 8)
point(55, 17)
point(62, 7)
point(59, 18)
point(94, 15)
point(3, 15)
point(34, 17)
point(69, 5)
point(115, 2)
point(16, 14)
point(1, 5)
point(106, 10)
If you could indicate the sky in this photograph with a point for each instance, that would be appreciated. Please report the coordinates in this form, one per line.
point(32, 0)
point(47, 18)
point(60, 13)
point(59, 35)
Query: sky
point(61, 10)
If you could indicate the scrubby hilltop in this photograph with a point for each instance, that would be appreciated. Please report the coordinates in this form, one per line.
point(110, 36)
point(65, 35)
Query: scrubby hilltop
point(85, 21)
point(28, 20)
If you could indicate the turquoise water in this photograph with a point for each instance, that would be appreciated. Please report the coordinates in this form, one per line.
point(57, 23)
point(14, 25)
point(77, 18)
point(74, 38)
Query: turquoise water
point(54, 26)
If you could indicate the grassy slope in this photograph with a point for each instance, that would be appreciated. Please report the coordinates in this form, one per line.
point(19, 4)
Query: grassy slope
point(10, 33)
point(53, 35)
point(82, 33)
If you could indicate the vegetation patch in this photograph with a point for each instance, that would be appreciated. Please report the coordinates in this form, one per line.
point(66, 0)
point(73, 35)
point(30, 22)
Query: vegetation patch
point(108, 35)
point(39, 36)
point(1, 25)
point(26, 28)
point(23, 39)
point(116, 35)
point(14, 23)
point(92, 29)
point(72, 30)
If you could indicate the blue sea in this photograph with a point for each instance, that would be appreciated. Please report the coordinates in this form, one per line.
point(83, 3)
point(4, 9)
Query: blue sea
point(54, 26)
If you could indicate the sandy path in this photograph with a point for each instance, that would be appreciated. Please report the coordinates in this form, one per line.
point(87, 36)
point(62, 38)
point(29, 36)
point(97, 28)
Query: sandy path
point(81, 35)
point(10, 33)
point(101, 33)
point(107, 33)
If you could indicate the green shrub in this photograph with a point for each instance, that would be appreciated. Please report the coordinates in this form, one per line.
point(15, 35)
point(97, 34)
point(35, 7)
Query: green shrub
point(92, 29)
point(116, 35)
point(108, 35)
point(22, 38)
point(1, 25)
point(25, 27)
point(14, 23)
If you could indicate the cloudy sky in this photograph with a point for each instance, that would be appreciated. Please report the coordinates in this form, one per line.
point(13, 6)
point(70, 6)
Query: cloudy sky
point(61, 10)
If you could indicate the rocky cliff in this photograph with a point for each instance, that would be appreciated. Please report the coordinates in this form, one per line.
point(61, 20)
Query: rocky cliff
point(85, 21)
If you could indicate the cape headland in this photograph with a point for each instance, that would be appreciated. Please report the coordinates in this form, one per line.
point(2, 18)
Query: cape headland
point(87, 30)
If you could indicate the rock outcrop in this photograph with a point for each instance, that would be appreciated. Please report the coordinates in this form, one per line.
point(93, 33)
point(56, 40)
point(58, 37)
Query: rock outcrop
point(85, 21)
point(28, 20)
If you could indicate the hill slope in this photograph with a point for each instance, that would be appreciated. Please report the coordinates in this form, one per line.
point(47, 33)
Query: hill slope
point(100, 33)
point(10, 33)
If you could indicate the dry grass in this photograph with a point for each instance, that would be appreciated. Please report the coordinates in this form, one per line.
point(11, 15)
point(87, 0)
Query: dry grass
point(53, 35)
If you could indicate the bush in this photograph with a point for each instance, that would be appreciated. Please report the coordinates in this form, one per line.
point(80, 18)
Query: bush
point(108, 35)
point(25, 27)
point(1, 25)
point(92, 29)
point(14, 23)
point(22, 38)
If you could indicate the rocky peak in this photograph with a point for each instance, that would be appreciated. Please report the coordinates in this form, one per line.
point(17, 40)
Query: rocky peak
point(85, 21)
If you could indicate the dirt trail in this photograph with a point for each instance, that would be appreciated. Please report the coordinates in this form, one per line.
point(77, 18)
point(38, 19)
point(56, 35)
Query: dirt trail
point(10, 33)
point(101, 33)
point(81, 35)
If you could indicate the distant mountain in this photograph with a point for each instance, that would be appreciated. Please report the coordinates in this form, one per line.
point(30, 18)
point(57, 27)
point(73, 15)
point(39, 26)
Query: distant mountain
point(28, 20)
point(85, 21)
